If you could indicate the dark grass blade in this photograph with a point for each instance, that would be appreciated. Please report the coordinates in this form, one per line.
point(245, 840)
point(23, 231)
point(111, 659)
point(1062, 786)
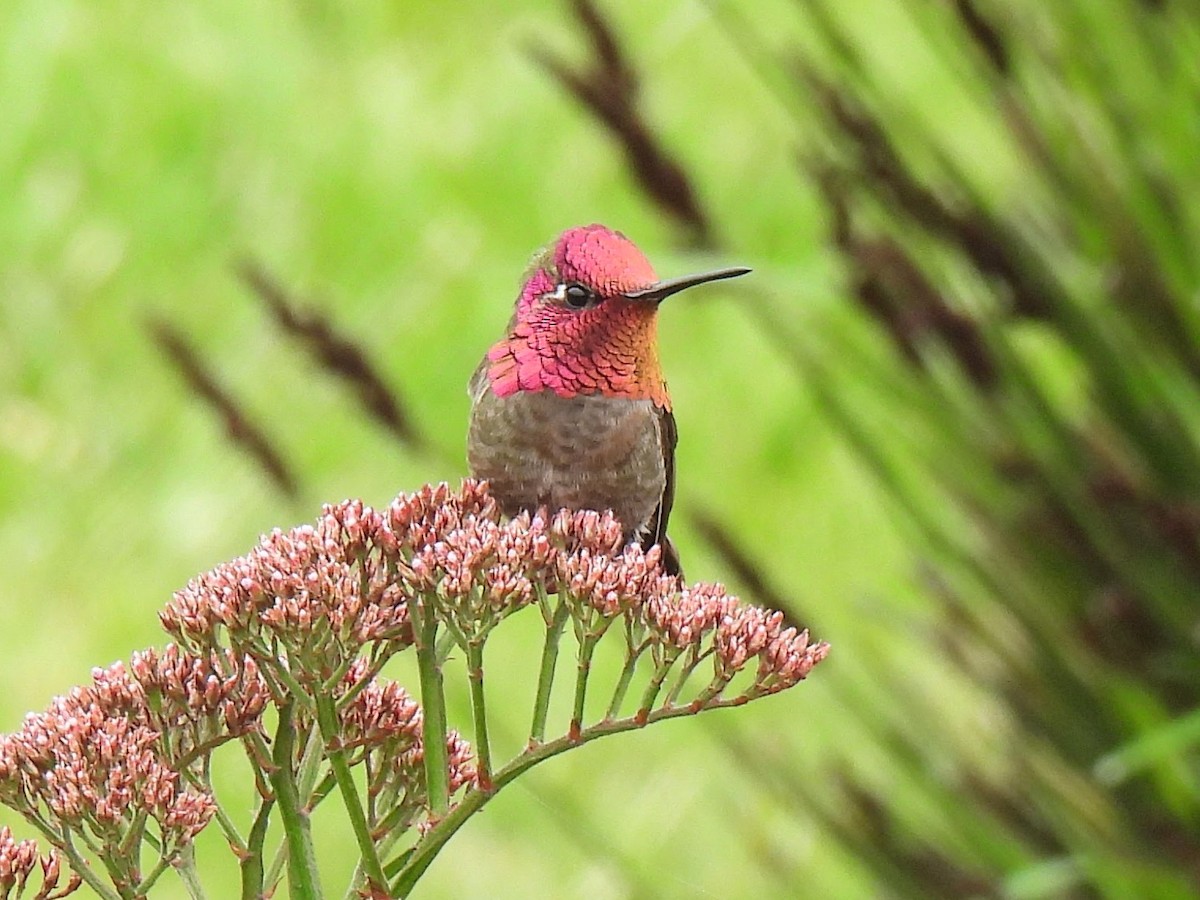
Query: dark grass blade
point(607, 87)
point(337, 353)
point(239, 427)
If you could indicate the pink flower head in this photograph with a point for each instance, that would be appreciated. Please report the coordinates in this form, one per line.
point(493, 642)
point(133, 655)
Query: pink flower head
point(380, 713)
point(17, 861)
point(295, 585)
point(686, 616)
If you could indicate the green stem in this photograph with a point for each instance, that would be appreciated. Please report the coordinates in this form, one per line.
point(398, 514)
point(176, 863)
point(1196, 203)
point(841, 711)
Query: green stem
point(252, 860)
point(398, 820)
point(713, 692)
point(117, 868)
point(688, 669)
point(354, 888)
point(586, 648)
point(376, 666)
point(303, 879)
point(81, 867)
point(321, 790)
point(275, 873)
point(446, 642)
point(143, 887)
point(309, 769)
point(258, 754)
point(541, 704)
point(334, 679)
point(433, 702)
point(185, 865)
point(134, 835)
point(292, 688)
point(232, 835)
point(631, 661)
point(425, 851)
point(454, 637)
point(328, 721)
point(483, 746)
point(543, 603)
point(655, 685)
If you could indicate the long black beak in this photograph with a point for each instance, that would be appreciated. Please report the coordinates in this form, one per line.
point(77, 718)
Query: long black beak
point(664, 289)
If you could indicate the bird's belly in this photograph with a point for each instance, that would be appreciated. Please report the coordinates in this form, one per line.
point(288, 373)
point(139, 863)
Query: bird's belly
point(539, 449)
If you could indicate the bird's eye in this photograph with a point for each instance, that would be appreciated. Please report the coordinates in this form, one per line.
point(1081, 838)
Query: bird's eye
point(576, 296)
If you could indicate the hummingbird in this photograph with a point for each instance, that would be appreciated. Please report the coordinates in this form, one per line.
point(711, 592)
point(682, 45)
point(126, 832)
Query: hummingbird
point(570, 408)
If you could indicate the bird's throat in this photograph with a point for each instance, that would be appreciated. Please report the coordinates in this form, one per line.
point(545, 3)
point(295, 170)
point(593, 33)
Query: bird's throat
point(609, 351)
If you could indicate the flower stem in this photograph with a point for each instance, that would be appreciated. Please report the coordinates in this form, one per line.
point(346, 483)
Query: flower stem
point(81, 867)
point(423, 854)
point(713, 692)
point(185, 865)
point(116, 865)
point(328, 722)
point(252, 861)
point(228, 826)
point(681, 680)
point(356, 880)
point(309, 770)
point(541, 704)
point(292, 688)
point(275, 873)
point(586, 648)
point(143, 887)
point(433, 702)
point(483, 746)
point(631, 661)
point(655, 685)
point(303, 879)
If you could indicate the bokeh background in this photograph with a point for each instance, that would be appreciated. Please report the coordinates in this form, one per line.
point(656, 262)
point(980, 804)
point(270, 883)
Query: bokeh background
point(952, 421)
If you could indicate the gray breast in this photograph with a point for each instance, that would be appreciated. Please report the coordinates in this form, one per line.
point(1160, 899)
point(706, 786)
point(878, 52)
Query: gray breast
point(593, 452)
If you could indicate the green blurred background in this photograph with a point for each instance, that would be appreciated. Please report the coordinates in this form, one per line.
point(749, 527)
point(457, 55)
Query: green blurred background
point(951, 419)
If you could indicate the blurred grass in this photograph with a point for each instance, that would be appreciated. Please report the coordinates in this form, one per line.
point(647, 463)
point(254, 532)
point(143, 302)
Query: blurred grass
point(1034, 424)
point(397, 167)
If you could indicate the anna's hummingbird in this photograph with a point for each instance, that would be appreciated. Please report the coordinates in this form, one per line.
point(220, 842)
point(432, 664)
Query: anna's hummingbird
point(569, 409)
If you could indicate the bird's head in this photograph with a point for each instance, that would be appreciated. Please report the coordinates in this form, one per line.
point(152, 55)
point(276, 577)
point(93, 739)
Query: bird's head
point(586, 320)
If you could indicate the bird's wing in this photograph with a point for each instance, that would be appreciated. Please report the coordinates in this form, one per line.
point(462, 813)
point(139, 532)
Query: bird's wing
point(479, 381)
point(668, 437)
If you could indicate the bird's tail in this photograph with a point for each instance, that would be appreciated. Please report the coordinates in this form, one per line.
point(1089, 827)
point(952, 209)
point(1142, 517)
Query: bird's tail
point(670, 558)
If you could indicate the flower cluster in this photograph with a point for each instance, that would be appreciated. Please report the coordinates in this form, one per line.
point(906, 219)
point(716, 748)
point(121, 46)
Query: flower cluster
point(597, 575)
point(320, 592)
point(324, 591)
point(105, 758)
point(380, 715)
point(480, 569)
point(377, 713)
point(303, 626)
point(687, 616)
point(17, 862)
point(382, 725)
point(193, 698)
